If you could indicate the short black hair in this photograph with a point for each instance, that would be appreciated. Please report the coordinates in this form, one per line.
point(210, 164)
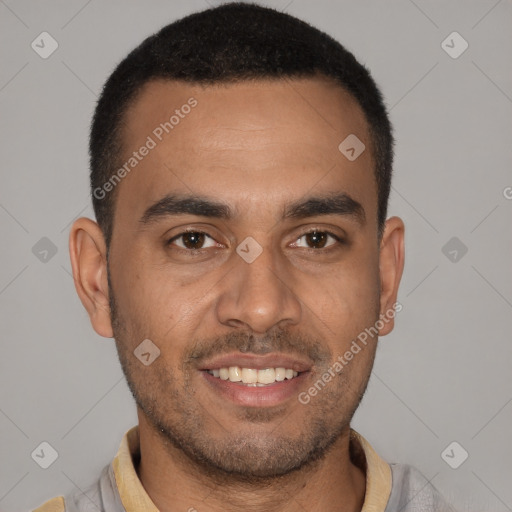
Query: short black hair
point(227, 44)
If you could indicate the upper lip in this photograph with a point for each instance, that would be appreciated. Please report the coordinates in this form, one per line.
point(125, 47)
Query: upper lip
point(258, 362)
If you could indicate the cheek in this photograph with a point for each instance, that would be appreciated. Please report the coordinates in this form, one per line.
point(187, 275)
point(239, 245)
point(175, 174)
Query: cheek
point(154, 304)
point(349, 314)
point(349, 296)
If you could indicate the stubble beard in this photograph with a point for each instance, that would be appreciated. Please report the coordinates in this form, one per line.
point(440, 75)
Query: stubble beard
point(264, 451)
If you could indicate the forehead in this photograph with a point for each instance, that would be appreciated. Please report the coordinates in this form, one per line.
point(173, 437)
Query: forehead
point(247, 142)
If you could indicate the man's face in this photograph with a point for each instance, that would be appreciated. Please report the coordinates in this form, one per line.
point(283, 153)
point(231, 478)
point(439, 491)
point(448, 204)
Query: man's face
point(202, 298)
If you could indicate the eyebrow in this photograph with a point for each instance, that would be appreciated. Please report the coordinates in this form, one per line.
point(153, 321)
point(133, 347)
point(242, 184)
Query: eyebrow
point(334, 204)
point(175, 204)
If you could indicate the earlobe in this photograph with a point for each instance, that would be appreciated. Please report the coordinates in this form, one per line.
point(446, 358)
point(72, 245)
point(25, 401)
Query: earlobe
point(88, 255)
point(391, 265)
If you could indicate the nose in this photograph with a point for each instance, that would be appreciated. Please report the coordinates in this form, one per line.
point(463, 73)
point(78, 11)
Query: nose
point(258, 295)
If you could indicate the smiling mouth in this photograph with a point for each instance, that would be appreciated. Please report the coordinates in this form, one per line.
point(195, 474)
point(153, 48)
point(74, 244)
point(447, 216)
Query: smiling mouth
point(253, 377)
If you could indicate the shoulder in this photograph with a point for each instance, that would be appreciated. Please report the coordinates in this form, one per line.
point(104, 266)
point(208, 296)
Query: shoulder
point(53, 505)
point(90, 499)
point(412, 491)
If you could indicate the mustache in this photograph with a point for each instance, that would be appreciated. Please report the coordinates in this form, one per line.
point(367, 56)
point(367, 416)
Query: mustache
point(248, 343)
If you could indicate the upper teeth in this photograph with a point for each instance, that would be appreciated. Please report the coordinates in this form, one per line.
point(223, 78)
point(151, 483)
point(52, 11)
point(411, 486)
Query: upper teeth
point(253, 376)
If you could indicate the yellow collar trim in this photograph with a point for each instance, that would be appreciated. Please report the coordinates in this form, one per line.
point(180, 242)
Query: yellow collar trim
point(133, 495)
point(378, 477)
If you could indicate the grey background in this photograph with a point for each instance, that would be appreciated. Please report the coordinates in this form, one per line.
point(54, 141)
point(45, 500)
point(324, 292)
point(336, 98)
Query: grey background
point(443, 375)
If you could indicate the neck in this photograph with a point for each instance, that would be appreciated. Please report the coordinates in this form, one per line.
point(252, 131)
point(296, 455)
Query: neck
point(175, 483)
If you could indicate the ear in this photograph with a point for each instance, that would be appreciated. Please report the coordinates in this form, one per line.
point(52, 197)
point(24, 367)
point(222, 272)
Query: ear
point(391, 265)
point(88, 254)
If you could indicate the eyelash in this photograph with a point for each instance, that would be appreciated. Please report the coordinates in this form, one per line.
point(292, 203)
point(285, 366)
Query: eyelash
point(190, 252)
point(338, 239)
point(198, 252)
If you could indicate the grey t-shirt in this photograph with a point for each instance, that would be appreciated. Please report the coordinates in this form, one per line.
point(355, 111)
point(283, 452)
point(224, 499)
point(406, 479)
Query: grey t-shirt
point(412, 492)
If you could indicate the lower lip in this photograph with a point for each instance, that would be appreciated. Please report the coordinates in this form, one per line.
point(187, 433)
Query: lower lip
point(256, 396)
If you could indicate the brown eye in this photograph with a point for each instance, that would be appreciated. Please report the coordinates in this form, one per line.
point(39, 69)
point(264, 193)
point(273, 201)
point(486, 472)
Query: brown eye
point(317, 240)
point(192, 240)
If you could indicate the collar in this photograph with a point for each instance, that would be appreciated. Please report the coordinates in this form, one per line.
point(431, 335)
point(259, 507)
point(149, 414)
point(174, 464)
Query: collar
point(135, 498)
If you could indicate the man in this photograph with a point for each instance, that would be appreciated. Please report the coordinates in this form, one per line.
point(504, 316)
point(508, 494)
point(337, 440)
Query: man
point(240, 171)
